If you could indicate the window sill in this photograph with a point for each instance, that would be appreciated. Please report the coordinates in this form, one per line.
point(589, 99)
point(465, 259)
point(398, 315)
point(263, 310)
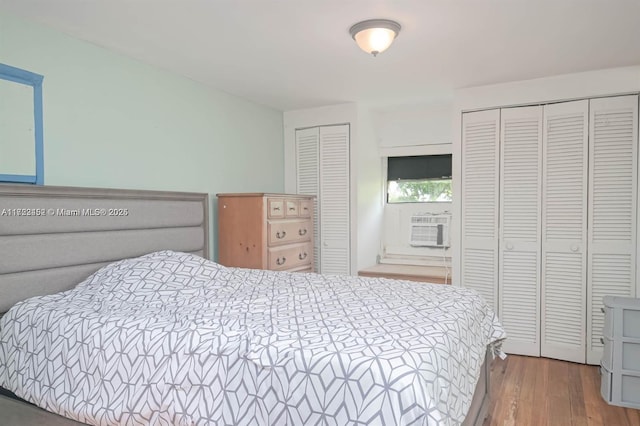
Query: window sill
point(429, 274)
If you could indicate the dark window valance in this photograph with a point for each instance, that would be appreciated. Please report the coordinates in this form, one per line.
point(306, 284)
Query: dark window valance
point(419, 167)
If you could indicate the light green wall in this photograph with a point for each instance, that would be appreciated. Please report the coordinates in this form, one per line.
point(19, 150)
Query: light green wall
point(111, 121)
point(17, 136)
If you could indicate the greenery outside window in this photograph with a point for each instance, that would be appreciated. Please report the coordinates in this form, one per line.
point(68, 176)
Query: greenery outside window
point(419, 179)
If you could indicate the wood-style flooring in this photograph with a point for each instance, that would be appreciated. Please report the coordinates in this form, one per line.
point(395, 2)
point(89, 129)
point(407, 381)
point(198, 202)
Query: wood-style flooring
point(540, 391)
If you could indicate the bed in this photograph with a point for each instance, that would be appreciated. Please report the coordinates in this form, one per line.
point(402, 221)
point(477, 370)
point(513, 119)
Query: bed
point(169, 337)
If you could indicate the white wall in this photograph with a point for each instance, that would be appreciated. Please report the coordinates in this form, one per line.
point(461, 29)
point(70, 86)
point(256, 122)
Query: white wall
point(414, 125)
point(612, 81)
point(369, 191)
point(564, 87)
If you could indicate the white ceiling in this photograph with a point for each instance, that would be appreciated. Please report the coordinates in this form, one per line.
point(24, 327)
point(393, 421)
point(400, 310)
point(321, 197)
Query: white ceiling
point(291, 54)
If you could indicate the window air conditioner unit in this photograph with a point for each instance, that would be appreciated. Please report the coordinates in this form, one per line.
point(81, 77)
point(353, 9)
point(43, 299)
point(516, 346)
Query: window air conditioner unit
point(429, 230)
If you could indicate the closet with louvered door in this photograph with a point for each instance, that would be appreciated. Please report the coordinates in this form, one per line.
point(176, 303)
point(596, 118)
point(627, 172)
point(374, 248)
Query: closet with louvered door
point(308, 178)
point(564, 230)
point(519, 262)
point(613, 177)
point(566, 205)
point(480, 202)
point(335, 234)
point(323, 170)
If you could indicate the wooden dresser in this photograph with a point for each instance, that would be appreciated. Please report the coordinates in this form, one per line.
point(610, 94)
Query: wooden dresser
point(266, 231)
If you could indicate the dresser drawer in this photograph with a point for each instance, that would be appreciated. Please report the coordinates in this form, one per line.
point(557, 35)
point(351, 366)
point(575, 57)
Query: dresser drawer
point(291, 208)
point(306, 207)
point(275, 208)
point(288, 257)
point(287, 232)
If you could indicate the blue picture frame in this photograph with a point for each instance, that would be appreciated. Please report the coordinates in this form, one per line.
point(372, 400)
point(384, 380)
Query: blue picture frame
point(34, 80)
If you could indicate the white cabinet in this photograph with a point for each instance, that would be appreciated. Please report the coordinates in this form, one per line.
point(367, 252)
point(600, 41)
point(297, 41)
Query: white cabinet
point(322, 169)
point(549, 218)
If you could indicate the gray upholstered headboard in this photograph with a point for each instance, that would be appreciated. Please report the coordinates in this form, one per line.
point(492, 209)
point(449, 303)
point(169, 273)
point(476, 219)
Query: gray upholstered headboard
point(51, 238)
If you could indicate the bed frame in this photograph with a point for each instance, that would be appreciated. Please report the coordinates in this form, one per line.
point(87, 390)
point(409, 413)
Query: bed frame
point(51, 238)
point(479, 409)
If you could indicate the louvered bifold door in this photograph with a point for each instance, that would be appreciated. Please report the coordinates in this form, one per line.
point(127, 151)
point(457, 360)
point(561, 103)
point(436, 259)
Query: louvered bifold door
point(613, 142)
point(480, 202)
point(308, 178)
point(564, 230)
point(520, 201)
point(334, 200)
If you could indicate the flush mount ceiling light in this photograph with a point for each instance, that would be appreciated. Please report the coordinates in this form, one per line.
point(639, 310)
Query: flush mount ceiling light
point(375, 35)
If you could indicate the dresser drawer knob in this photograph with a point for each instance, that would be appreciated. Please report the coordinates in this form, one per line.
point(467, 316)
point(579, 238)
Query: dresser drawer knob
point(292, 209)
point(281, 235)
point(276, 209)
point(302, 232)
point(280, 261)
point(302, 256)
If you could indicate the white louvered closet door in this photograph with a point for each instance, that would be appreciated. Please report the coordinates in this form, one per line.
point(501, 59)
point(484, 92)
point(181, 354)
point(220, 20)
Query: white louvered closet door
point(613, 141)
point(564, 230)
point(334, 200)
point(480, 202)
point(520, 183)
point(308, 178)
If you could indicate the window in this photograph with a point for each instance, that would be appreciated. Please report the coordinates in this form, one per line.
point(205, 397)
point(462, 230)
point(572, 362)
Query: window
point(419, 179)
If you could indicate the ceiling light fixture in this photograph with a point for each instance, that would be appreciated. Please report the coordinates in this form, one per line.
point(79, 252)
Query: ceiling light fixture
point(375, 35)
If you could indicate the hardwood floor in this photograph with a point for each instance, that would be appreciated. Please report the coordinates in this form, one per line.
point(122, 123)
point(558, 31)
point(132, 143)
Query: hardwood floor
point(540, 391)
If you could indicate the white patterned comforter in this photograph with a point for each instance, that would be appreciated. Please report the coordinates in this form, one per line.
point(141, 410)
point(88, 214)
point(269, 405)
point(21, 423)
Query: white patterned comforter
point(172, 339)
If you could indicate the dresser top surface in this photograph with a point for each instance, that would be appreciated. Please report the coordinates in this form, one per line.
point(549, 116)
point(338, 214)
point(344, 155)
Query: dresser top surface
point(262, 194)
